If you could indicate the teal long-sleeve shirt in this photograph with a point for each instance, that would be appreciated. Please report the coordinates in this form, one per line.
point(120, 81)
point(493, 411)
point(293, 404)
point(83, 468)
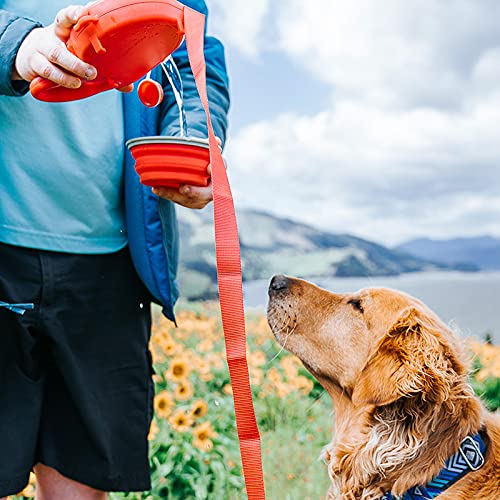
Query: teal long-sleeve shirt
point(61, 165)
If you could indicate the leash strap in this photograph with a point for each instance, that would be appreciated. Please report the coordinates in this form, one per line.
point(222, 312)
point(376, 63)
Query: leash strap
point(229, 275)
point(469, 458)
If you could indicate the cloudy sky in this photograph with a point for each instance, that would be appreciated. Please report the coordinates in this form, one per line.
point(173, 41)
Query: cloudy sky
point(378, 121)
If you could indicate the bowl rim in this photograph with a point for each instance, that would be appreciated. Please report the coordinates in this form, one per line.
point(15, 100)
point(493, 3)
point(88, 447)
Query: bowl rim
point(162, 139)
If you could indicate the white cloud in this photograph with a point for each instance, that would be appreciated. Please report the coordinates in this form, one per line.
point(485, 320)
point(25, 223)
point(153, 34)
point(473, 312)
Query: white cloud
point(240, 23)
point(386, 176)
point(409, 53)
point(409, 145)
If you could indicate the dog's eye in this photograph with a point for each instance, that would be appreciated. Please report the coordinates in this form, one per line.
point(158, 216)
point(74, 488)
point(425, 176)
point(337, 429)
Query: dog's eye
point(356, 303)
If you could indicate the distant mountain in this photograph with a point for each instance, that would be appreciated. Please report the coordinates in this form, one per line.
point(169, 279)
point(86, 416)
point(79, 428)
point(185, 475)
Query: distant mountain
point(482, 252)
point(273, 245)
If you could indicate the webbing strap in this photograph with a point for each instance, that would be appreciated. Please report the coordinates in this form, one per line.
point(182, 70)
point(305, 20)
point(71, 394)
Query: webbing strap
point(229, 275)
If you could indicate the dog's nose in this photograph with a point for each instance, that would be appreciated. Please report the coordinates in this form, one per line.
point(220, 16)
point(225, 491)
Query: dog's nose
point(279, 282)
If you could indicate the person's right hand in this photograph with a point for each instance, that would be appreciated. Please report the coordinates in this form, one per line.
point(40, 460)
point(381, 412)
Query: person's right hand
point(44, 53)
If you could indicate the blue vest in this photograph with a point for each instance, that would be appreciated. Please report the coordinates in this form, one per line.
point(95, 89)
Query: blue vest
point(151, 222)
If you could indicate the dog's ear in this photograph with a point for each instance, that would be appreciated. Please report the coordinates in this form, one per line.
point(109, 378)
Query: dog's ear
point(412, 358)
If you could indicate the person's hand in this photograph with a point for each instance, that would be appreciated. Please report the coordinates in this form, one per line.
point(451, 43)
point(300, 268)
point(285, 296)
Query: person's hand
point(44, 53)
point(188, 196)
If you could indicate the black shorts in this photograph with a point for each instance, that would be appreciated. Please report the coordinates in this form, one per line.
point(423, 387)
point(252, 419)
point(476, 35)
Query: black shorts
point(76, 390)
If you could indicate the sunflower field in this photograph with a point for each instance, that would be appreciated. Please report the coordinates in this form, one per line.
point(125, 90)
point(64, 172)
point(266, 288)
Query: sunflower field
point(193, 442)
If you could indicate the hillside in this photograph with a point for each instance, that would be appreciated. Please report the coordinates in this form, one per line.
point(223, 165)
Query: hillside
point(481, 252)
point(273, 245)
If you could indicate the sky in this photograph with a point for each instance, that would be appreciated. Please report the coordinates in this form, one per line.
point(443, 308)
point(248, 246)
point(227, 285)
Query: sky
point(375, 119)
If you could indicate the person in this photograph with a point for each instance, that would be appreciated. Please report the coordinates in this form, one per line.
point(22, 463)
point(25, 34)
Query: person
point(76, 385)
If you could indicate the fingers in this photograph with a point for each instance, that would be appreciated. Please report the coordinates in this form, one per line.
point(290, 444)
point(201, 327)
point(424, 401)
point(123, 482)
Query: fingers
point(127, 89)
point(44, 53)
point(65, 20)
point(41, 66)
point(68, 16)
point(60, 55)
point(187, 196)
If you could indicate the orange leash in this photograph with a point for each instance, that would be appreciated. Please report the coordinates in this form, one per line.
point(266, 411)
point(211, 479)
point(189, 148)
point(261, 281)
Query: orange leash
point(229, 275)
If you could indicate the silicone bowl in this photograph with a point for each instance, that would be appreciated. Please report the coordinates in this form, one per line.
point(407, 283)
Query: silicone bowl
point(171, 161)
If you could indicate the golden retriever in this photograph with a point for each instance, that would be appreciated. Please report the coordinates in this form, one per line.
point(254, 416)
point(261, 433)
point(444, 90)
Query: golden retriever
point(398, 380)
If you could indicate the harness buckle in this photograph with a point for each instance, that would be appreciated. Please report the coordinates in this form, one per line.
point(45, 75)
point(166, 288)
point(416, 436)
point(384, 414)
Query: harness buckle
point(471, 453)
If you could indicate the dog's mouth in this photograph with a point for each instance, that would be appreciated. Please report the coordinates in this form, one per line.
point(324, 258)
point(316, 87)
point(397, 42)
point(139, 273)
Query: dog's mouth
point(283, 321)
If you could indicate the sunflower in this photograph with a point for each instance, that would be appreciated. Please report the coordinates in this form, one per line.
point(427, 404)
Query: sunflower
point(156, 355)
point(290, 366)
point(257, 376)
point(199, 409)
point(206, 377)
point(260, 341)
point(215, 360)
point(178, 370)
point(30, 490)
point(303, 384)
point(257, 358)
point(202, 434)
point(163, 404)
point(168, 346)
point(273, 375)
point(184, 391)
point(181, 421)
point(203, 368)
point(205, 345)
point(162, 335)
point(202, 365)
point(283, 390)
point(153, 430)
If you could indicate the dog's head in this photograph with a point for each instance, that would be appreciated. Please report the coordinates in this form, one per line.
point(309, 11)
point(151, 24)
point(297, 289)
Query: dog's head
point(376, 345)
point(396, 376)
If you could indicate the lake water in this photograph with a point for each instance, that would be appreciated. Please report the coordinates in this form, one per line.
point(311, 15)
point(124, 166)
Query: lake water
point(469, 302)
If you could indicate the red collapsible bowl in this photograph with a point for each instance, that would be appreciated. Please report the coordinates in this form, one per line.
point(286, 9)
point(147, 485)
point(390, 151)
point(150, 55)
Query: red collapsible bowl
point(123, 39)
point(171, 161)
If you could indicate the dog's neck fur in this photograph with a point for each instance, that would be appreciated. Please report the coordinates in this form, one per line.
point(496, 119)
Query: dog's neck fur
point(397, 446)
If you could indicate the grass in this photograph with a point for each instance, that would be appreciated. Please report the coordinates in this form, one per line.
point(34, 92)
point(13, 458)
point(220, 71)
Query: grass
point(291, 452)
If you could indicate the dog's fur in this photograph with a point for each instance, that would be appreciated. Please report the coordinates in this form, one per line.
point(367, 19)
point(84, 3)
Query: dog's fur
point(398, 380)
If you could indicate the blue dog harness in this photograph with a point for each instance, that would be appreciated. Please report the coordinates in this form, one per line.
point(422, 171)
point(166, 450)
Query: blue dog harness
point(469, 458)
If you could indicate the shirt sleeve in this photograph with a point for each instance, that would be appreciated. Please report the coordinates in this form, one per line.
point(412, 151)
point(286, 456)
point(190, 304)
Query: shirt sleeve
point(13, 31)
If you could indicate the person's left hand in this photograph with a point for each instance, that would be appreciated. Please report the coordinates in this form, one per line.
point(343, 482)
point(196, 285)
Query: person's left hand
point(188, 196)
